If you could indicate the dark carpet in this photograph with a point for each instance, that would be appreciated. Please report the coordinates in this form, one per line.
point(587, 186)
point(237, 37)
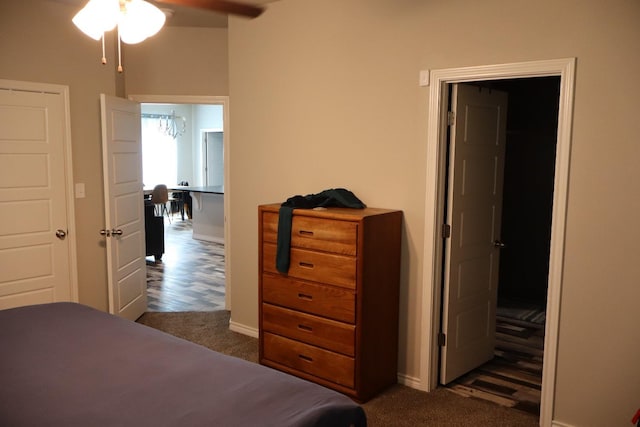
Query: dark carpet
point(398, 406)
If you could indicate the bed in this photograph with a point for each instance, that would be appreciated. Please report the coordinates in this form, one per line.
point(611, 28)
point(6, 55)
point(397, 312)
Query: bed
point(65, 364)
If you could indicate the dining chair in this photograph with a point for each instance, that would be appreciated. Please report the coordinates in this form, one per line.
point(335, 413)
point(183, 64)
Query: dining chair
point(160, 198)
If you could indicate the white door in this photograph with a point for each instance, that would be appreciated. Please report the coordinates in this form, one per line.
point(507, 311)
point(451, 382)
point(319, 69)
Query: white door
point(35, 251)
point(474, 209)
point(124, 207)
point(213, 158)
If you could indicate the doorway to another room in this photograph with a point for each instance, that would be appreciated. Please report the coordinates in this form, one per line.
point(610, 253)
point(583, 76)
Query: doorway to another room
point(436, 202)
point(188, 272)
point(513, 375)
point(191, 274)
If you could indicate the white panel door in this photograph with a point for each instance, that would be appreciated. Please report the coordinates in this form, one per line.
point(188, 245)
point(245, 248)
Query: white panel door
point(124, 216)
point(474, 210)
point(35, 252)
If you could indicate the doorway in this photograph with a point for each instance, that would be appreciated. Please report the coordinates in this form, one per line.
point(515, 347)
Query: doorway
point(435, 180)
point(212, 156)
point(512, 372)
point(197, 263)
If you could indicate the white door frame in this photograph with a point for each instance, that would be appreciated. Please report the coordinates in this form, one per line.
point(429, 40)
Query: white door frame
point(214, 100)
point(434, 211)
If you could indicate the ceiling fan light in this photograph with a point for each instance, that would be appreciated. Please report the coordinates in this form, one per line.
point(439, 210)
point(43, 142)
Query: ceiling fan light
point(97, 17)
point(140, 21)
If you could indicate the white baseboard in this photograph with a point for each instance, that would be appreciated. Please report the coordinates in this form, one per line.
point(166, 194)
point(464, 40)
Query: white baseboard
point(243, 329)
point(411, 382)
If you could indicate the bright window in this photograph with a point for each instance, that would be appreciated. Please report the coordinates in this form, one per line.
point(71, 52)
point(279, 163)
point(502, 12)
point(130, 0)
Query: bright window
point(159, 155)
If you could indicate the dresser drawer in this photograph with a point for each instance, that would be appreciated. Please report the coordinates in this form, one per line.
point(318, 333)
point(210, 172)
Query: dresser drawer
point(328, 301)
point(325, 235)
point(325, 333)
point(321, 363)
point(316, 266)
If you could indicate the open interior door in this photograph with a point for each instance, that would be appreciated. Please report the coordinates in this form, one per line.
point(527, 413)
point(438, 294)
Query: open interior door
point(124, 206)
point(474, 210)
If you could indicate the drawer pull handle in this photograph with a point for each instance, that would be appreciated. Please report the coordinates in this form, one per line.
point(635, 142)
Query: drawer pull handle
point(305, 264)
point(306, 233)
point(305, 296)
point(305, 328)
point(305, 358)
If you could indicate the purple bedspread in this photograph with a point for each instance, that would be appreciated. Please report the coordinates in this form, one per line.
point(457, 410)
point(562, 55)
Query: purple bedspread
point(65, 364)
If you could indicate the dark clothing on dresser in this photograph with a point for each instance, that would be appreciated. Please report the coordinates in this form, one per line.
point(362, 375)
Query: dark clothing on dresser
point(335, 197)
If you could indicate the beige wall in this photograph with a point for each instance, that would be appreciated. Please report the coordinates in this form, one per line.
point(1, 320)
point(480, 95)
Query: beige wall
point(179, 61)
point(39, 43)
point(325, 93)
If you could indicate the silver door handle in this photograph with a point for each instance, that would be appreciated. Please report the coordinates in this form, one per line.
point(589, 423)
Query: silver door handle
point(61, 234)
point(112, 232)
point(498, 244)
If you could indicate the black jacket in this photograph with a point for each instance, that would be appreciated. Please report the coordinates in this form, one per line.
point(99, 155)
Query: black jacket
point(335, 197)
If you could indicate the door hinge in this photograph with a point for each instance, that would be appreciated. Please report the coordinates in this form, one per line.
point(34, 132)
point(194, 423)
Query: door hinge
point(442, 339)
point(446, 231)
point(451, 118)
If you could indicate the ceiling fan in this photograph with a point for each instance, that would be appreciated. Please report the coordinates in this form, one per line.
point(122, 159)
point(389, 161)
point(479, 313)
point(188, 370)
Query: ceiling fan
point(222, 6)
point(136, 20)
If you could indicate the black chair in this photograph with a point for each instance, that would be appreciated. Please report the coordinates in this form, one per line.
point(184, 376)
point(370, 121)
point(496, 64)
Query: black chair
point(154, 231)
point(183, 200)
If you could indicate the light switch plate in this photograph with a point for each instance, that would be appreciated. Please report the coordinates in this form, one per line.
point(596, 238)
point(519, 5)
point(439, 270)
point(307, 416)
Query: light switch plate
point(424, 77)
point(80, 194)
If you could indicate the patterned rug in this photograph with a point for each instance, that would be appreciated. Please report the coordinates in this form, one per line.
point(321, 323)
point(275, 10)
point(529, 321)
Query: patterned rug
point(526, 312)
point(514, 377)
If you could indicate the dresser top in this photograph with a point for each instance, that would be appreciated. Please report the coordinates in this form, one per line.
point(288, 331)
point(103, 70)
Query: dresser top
point(336, 213)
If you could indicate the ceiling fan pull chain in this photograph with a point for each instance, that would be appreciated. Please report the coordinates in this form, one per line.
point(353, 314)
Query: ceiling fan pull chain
point(104, 56)
point(119, 52)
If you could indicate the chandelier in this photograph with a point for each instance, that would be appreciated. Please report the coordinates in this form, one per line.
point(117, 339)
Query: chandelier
point(169, 124)
point(135, 20)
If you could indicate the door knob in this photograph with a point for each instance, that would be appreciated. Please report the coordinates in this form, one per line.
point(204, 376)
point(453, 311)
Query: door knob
point(105, 232)
point(61, 234)
point(498, 244)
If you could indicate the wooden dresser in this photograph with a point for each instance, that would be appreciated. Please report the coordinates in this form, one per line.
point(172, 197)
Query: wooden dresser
point(333, 319)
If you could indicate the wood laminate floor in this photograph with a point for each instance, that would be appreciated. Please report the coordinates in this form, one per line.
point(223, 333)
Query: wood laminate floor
point(191, 274)
point(514, 377)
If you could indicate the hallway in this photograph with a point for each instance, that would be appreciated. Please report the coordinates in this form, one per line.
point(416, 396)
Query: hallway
point(191, 274)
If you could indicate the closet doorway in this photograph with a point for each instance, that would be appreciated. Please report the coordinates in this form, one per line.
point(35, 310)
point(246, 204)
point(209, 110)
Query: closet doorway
point(440, 80)
point(507, 367)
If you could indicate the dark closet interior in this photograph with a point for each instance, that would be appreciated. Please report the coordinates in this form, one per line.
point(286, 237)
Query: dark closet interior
point(532, 126)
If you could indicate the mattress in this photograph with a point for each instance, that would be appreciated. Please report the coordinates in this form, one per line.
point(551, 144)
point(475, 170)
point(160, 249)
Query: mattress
point(65, 364)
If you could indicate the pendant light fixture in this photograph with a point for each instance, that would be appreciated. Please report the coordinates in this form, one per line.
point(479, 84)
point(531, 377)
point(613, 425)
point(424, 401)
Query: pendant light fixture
point(136, 20)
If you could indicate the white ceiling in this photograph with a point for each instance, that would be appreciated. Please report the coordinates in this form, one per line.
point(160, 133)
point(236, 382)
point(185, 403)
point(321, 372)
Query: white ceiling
point(185, 16)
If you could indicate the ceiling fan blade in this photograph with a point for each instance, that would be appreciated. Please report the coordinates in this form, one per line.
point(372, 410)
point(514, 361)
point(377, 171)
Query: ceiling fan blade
point(222, 6)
